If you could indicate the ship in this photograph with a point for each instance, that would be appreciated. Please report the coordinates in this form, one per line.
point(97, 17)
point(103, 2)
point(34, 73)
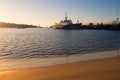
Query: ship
point(66, 24)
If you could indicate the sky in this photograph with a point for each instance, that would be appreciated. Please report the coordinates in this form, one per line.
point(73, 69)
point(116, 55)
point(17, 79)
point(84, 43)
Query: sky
point(47, 12)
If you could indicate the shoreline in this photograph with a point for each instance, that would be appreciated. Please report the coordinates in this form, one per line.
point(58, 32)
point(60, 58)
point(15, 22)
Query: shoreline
point(100, 69)
point(46, 62)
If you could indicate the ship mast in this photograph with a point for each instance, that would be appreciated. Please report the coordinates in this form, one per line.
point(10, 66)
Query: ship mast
point(117, 15)
point(117, 20)
point(66, 17)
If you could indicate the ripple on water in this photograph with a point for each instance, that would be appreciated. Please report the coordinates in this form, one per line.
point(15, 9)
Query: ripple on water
point(40, 43)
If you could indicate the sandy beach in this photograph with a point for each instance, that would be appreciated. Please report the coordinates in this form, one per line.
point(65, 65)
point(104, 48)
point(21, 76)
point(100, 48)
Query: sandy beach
point(99, 69)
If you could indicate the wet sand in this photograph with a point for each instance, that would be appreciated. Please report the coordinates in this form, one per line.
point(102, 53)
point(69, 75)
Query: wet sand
point(99, 69)
point(6, 65)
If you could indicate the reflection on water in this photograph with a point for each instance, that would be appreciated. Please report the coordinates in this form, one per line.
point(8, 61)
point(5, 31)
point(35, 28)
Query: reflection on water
point(37, 43)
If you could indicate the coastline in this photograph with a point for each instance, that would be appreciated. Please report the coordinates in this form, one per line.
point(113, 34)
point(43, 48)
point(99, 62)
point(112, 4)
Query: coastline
point(51, 61)
point(100, 69)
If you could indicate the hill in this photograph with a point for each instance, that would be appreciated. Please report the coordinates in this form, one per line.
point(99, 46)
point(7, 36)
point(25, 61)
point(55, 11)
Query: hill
point(13, 25)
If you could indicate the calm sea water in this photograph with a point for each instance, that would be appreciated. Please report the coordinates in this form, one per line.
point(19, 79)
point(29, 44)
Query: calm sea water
point(45, 42)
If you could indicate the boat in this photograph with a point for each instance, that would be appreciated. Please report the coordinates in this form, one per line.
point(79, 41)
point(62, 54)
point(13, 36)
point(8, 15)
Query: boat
point(66, 24)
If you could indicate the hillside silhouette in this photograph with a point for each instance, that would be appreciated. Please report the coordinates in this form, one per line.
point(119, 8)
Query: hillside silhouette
point(14, 25)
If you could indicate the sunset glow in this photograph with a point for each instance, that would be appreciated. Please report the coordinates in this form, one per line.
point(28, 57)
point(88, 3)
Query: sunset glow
point(47, 12)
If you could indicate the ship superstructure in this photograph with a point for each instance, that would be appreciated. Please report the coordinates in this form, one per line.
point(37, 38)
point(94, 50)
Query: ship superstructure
point(66, 24)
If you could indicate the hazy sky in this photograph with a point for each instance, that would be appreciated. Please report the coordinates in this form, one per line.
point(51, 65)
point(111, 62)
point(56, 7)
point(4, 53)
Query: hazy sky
point(47, 12)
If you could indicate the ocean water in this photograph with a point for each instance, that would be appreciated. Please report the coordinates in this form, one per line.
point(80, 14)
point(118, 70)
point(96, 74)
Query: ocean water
point(19, 44)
